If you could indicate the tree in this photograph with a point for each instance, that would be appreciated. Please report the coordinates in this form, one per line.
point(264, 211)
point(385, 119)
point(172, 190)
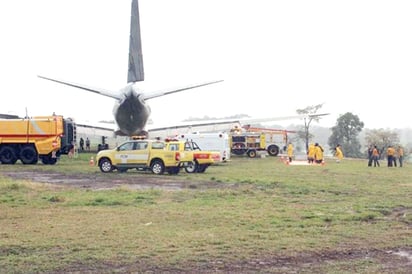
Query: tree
point(345, 133)
point(305, 134)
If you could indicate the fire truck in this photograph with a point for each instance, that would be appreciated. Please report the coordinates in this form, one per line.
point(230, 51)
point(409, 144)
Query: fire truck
point(31, 139)
point(251, 140)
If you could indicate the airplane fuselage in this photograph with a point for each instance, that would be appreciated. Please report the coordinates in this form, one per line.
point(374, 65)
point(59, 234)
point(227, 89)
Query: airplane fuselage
point(131, 113)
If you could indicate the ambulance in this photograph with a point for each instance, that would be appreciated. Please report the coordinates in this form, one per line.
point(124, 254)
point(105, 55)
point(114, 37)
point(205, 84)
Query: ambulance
point(210, 141)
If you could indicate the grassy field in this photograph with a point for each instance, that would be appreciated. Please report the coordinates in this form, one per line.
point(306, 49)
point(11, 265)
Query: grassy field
point(265, 217)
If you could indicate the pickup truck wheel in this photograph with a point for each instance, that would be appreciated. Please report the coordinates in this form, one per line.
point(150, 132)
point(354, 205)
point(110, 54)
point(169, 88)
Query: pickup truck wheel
point(7, 155)
point(192, 167)
point(202, 168)
point(157, 167)
point(105, 165)
point(122, 169)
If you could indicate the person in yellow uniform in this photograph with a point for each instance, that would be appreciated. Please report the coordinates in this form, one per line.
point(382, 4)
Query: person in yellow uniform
point(338, 153)
point(290, 152)
point(318, 154)
point(311, 153)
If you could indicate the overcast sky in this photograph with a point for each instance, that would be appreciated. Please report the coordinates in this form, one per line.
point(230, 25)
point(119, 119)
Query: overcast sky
point(274, 56)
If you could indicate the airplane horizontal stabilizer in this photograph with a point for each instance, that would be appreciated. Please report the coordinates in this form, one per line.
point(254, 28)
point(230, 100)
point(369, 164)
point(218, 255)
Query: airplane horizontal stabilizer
point(170, 91)
point(100, 91)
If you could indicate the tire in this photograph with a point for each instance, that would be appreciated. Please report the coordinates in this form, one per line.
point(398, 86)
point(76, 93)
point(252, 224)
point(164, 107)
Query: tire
point(105, 165)
point(202, 168)
point(173, 170)
point(122, 169)
point(48, 159)
point(192, 167)
point(252, 153)
point(157, 167)
point(273, 150)
point(239, 148)
point(8, 155)
point(28, 155)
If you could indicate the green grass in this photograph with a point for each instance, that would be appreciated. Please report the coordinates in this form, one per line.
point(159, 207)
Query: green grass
point(266, 209)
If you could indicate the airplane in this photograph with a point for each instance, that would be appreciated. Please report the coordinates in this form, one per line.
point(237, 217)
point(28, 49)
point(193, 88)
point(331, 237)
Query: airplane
point(130, 111)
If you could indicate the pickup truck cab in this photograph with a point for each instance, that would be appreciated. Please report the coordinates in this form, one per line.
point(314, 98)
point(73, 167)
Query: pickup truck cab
point(142, 155)
point(200, 159)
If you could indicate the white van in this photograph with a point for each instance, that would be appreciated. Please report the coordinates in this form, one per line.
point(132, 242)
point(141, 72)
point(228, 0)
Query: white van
point(210, 141)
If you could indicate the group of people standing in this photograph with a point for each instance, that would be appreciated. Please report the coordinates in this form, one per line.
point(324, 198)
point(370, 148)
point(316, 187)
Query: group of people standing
point(392, 155)
point(315, 153)
point(81, 143)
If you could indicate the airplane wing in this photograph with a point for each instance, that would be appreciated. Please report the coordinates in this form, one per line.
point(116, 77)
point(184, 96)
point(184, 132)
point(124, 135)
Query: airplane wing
point(215, 125)
point(104, 92)
point(159, 93)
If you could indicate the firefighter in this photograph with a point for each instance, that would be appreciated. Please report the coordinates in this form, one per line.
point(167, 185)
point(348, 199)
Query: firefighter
point(311, 153)
point(338, 153)
point(318, 154)
point(290, 152)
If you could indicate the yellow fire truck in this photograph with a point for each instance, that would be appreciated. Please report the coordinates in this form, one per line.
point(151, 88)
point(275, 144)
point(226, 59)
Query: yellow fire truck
point(250, 140)
point(31, 139)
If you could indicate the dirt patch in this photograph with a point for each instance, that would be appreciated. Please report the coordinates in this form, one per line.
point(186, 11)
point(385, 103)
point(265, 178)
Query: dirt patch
point(389, 261)
point(101, 181)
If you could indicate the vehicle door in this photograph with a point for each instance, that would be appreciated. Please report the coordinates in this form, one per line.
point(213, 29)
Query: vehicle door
point(123, 152)
point(140, 153)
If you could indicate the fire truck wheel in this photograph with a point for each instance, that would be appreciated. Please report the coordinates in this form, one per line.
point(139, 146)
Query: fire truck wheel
point(273, 150)
point(28, 155)
point(238, 148)
point(157, 167)
point(48, 159)
point(7, 155)
point(105, 165)
point(192, 167)
point(252, 153)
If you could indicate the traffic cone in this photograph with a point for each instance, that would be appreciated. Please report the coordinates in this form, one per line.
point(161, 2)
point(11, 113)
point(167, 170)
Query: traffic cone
point(91, 162)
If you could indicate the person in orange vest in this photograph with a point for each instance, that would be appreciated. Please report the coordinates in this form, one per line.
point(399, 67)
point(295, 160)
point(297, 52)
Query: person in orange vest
point(375, 156)
point(390, 154)
point(400, 156)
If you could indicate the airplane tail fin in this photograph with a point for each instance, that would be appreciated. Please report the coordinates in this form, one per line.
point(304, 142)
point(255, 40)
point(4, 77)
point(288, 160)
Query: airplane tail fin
point(135, 70)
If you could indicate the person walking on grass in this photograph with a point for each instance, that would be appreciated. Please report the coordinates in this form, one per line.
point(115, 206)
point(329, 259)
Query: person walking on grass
point(338, 153)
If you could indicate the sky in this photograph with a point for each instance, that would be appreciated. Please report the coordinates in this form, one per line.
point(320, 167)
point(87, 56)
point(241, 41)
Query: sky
point(274, 56)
